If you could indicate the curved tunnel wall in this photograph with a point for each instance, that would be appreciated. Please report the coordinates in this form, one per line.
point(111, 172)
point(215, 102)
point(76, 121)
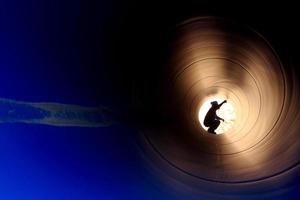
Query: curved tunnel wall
point(216, 58)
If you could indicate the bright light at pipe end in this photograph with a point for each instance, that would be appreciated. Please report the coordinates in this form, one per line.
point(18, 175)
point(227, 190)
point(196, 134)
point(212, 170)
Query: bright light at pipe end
point(226, 112)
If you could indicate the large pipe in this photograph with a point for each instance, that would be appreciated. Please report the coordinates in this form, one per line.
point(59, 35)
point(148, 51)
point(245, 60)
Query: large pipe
point(216, 58)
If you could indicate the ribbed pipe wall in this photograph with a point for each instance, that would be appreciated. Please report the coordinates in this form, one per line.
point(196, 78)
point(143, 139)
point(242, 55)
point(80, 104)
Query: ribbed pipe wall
point(213, 57)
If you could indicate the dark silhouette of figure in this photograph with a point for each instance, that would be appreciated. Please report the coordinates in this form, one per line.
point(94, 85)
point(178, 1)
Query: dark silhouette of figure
point(212, 120)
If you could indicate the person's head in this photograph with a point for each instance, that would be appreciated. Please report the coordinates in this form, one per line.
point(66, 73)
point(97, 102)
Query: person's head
point(214, 103)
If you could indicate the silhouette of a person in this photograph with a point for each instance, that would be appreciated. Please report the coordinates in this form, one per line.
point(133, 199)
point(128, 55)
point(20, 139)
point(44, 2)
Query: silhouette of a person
point(212, 120)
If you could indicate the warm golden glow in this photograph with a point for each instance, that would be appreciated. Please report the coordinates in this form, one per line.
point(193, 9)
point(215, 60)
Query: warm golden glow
point(214, 59)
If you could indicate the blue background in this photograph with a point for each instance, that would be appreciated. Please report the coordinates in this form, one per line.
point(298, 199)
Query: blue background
point(52, 51)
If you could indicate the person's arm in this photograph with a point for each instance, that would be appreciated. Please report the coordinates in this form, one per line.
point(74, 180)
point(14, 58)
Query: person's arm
point(219, 118)
point(225, 101)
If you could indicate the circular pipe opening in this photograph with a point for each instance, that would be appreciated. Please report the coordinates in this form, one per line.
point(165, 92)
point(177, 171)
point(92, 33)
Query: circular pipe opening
point(226, 112)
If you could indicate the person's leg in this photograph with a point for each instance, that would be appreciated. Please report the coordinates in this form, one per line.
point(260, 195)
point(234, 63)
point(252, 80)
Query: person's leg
point(210, 130)
point(214, 126)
